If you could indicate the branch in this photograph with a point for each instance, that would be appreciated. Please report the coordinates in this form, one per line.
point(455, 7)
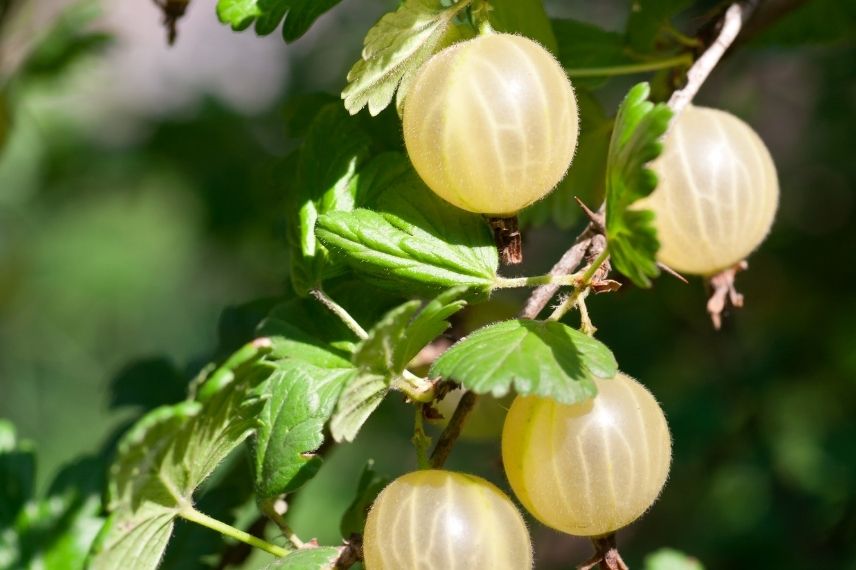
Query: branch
point(540, 297)
point(453, 430)
point(732, 22)
point(700, 70)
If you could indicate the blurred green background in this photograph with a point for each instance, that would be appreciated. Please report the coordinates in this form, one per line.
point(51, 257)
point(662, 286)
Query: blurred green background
point(139, 197)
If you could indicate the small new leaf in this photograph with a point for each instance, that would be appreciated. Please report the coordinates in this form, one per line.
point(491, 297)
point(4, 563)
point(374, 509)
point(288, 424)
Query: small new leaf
point(299, 399)
point(543, 358)
point(382, 357)
point(636, 141)
point(377, 353)
point(430, 323)
point(411, 240)
point(299, 15)
point(395, 48)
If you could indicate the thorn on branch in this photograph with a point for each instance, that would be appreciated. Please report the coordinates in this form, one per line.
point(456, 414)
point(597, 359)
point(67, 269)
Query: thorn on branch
point(672, 272)
point(597, 219)
point(724, 293)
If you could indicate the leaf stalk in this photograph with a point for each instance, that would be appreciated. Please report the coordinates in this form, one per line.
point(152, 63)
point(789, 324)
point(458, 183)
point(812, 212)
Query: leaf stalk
point(190, 514)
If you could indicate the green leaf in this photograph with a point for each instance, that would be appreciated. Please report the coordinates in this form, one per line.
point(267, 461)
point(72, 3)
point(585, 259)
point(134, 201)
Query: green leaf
point(396, 47)
point(368, 488)
point(411, 240)
point(669, 559)
point(299, 399)
point(636, 140)
point(224, 496)
point(648, 18)
point(544, 358)
point(334, 148)
point(526, 17)
point(168, 453)
point(299, 15)
point(377, 353)
point(305, 330)
point(320, 558)
point(358, 401)
point(430, 323)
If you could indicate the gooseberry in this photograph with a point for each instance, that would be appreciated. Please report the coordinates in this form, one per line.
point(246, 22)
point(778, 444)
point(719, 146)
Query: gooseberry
point(491, 123)
point(432, 519)
point(592, 467)
point(717, 193)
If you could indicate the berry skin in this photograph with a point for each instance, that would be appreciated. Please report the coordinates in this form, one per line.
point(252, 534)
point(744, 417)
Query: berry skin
point(435, 519)
point(491, 124)
point(717, 193)
point(588, 468)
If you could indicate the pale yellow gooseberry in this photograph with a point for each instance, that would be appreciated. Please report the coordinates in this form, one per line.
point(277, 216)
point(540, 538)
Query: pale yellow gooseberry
point(435, 519)
point(491, 123)
point(717, 194)
point(592, 467)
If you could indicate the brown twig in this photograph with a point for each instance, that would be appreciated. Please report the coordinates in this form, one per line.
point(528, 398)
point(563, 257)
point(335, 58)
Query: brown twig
point(696, 75)
point(453, 430)
point(700, 70)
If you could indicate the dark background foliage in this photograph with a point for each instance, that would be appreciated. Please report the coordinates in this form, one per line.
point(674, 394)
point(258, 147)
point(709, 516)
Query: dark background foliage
point(141, 193)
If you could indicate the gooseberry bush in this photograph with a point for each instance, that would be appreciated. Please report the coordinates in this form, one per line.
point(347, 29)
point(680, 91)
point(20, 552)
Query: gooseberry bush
point(463, 123)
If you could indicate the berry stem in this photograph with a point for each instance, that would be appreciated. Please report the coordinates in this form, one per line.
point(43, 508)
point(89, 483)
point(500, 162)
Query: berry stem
point(421, 441)
point(274, 509)
point(506, 235)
